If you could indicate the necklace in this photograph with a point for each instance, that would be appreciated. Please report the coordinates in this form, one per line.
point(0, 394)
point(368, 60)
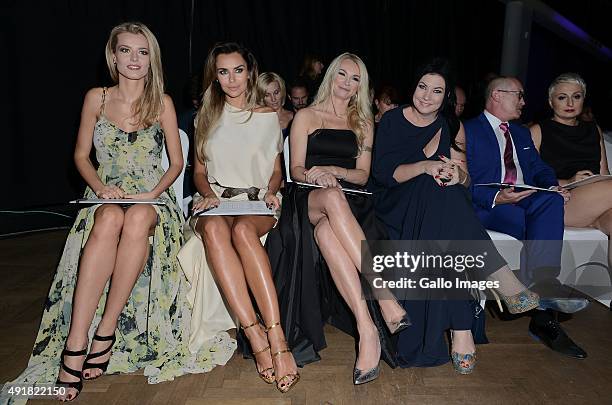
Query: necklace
point(335, 113)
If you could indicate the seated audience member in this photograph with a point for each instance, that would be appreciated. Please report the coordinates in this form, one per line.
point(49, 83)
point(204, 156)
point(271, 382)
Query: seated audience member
point(316, 247)
point(575, 149)
point(113, 278)
point(420, 185)
point(501, 151)
point(461, 100)
point(385, 98)
point(298, 95)
point(271, 93)
point(238, 146)
point(311, 73)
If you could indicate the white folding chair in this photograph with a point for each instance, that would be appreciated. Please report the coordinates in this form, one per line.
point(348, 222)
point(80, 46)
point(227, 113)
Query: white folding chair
point(287, 159)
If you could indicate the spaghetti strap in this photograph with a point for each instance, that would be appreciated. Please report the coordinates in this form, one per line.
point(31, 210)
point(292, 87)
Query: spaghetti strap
point(103, 100)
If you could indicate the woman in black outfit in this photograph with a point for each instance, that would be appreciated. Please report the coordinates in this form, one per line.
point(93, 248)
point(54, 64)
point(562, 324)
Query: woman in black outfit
point(575, 150)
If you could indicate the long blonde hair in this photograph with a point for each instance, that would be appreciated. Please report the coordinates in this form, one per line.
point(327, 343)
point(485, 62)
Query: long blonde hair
point(147, 108)
point(214, 97)
point(359, 112)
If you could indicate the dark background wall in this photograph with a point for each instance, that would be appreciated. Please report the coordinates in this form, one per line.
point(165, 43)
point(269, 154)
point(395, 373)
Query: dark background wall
point(53, 52)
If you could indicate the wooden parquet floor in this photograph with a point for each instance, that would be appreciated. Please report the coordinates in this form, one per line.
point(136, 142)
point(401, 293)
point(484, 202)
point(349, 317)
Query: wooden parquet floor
point(512, 369)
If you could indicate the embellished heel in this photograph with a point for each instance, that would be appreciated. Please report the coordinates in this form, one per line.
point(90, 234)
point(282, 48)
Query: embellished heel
point(463, 363)
point(524, 301)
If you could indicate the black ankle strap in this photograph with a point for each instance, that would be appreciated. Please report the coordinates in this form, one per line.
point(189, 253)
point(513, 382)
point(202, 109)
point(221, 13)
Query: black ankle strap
point(74, 353)
point(104, 338)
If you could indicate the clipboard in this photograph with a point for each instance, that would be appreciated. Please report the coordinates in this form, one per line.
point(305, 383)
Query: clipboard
point(346, 190)
point(517, 187)
point(123, 201)
point(236, 208)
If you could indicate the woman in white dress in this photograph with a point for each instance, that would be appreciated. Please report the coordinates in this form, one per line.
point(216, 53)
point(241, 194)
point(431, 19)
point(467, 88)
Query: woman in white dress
point(238, 146)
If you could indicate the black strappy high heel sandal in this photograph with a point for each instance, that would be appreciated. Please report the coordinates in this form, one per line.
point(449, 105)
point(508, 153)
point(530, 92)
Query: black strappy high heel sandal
point(102, 366)
point(77, 385)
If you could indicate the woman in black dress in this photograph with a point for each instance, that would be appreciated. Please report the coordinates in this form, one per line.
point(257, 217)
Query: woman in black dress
point(575, 150)
point(420, 194)
point(322, 227)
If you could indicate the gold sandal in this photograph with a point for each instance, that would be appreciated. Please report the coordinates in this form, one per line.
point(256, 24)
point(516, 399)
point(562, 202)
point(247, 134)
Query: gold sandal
point(269, 379)
point(288, 381)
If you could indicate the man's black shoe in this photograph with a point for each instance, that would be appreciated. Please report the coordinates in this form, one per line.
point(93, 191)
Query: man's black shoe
point(545, 328)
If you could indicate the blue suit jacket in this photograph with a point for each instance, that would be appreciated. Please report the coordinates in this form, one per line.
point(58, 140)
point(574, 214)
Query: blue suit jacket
point(484, 160)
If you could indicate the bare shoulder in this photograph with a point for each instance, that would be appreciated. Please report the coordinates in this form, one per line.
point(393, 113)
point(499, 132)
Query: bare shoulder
point(307, 115)
point(263, 109)
point(535, 128)
point(167, 99)
point(93, 99)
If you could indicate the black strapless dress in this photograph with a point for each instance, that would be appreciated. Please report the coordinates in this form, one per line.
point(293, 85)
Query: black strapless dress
point(307, 296)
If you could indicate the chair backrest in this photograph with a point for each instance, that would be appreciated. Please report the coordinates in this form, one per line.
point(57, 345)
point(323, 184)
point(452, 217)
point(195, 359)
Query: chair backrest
point(178, 183)
point(287, 157)
point(608, 145)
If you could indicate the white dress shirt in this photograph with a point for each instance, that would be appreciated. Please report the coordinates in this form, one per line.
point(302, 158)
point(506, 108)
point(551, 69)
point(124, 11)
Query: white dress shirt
point(501, 142)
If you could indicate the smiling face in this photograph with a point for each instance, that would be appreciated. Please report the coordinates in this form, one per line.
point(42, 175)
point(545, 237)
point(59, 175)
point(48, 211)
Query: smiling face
point(273, 96)
point(346, 82)
point(429, 94)
point(131, 56)
point(232, 74)
point(567, 100)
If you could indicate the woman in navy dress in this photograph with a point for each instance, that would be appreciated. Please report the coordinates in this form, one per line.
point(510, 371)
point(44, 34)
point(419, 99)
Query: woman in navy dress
point(420, 183)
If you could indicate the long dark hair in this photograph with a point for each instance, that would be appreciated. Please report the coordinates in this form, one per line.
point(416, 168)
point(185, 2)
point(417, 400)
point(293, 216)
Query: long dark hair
point(214, 97)
point(441, 67)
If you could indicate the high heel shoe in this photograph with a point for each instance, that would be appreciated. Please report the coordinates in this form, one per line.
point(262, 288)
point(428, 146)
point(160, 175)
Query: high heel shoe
point(102, 366)
point(398, 326)
point(288, 381)
point(77, 385)
point(362, 377)
point(524, 301)
point(463, 363)
point(263, 374)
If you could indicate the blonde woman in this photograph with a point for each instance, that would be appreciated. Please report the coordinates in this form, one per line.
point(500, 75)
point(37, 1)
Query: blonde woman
point(271, 92)
point(238, 147)
point(113, 281)
point(575, 150)
point(331, 144)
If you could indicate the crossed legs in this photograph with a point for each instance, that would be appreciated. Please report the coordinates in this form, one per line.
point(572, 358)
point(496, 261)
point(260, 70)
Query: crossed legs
point(591, 205)
point(339, 237)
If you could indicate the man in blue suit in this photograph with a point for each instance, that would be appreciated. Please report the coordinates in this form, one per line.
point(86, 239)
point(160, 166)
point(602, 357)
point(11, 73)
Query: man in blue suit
point(501, 152)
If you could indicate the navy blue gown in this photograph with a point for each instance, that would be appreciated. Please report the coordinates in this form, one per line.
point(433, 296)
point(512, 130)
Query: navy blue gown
point(419, 209)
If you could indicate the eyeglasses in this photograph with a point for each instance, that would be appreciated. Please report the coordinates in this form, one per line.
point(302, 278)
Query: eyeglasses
point(519, 93)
